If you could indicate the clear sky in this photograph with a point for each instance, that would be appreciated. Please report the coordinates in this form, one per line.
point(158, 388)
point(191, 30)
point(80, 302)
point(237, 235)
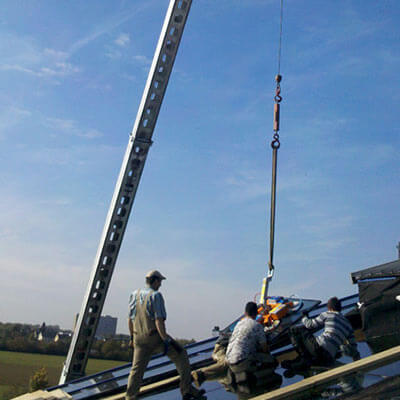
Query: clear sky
point(71, 77)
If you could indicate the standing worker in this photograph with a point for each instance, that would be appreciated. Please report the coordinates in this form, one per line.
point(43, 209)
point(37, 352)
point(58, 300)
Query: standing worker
point(146, 324)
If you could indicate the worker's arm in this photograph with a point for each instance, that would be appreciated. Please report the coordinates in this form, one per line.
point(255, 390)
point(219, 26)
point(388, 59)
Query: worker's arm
point(160, 315)
point(130, 327)
point(160, 325)
point(314, 323)
point(262, 339)
point(168, 340)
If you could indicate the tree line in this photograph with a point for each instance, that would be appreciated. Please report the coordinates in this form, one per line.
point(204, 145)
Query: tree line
point(22, 338)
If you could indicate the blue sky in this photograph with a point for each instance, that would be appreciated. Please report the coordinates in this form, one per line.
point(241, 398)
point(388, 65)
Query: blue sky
point(71, 78)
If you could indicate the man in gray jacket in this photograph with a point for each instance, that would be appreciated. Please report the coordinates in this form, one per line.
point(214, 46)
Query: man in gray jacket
point(337, 333)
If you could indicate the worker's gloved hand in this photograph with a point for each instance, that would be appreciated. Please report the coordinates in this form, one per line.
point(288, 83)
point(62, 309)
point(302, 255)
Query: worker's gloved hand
point(304, 314)
point(167, 343)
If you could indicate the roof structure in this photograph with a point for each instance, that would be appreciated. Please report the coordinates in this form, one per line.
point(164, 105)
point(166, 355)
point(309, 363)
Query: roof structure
point(387, 270)
point(113, 382)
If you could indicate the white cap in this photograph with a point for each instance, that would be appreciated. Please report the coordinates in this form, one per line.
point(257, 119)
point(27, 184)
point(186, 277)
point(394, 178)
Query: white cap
point(155, 273)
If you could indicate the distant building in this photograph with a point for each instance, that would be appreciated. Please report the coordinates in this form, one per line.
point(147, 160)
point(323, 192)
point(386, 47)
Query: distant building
point(63, 335)
point(45, 336)
point(46, 333)
point(107, 327)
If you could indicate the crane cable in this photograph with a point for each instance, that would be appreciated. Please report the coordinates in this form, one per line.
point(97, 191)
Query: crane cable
point(275, 144)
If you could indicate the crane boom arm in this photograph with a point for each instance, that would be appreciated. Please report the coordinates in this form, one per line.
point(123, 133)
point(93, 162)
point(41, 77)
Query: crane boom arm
point(125, 190)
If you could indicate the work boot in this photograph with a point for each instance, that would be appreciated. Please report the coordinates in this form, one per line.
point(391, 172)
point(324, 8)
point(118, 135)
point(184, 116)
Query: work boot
point(199, 395)
point(198, 377)
point(289, 373)
point(286, 364)
point(299, 363)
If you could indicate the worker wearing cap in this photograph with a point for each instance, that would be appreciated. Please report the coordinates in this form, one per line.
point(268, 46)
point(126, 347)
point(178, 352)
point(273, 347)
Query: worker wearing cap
point(146, 324)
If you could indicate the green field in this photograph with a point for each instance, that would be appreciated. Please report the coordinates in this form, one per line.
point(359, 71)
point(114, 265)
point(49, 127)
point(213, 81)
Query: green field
point(17, 368)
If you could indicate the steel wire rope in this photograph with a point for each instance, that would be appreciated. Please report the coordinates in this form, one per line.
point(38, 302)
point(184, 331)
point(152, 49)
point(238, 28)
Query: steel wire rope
point(280, 38)
point(275, 144)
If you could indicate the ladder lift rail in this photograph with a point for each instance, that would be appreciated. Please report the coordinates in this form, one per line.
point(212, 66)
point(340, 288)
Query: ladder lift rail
point(125, 190)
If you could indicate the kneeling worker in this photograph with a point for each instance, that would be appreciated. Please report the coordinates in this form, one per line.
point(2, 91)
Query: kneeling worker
point(148, 333)
point(247, 347)
point(337, 333)
point(248, 344)
point(248, 341)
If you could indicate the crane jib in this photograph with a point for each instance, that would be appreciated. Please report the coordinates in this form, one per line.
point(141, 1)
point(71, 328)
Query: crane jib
point(125, 190)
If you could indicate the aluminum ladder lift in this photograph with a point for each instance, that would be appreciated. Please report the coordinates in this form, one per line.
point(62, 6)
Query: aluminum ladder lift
point(139, 143)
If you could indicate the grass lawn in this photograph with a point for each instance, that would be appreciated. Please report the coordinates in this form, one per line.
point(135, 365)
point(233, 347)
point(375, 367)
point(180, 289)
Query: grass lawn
point(17, 368)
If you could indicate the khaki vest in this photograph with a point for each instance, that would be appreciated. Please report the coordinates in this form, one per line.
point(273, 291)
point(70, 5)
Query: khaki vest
point(143, 325)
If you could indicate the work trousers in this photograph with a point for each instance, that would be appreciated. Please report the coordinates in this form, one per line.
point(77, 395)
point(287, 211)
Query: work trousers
point(251, 363)
point(254, 373)
point(220, 368)
point(308, 347)
point(143, 350)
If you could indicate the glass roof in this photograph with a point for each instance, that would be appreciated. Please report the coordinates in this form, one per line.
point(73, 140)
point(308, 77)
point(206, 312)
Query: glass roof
point(114, 381)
